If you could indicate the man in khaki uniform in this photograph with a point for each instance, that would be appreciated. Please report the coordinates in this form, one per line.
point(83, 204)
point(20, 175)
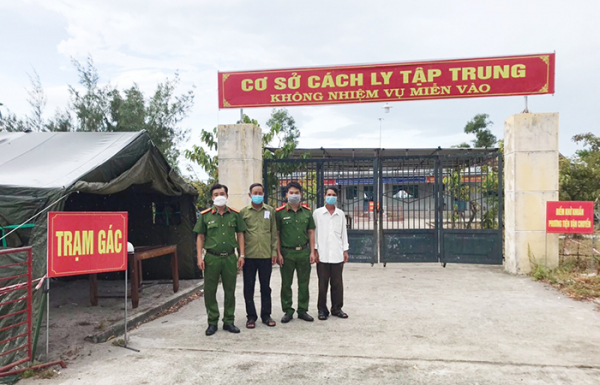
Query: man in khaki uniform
point(217, 228)
point(296, 251)
point(261, 254)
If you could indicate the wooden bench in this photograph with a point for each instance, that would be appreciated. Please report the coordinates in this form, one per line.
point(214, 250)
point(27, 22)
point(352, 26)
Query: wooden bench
point(135, 269)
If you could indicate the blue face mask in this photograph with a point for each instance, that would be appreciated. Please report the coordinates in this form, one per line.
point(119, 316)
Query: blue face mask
point(330, 200)
point(257, 199)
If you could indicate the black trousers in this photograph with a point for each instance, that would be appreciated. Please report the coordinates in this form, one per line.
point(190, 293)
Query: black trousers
point(264, 268)
point(330, 272)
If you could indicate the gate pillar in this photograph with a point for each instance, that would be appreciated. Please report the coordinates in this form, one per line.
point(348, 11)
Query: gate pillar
point(240, 160)
point(530, 180)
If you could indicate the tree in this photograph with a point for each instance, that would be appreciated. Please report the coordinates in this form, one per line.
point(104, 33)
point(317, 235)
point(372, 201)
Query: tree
point(37, 100)
point(10, 123)
point(33, 122)
point(462, 145)
point(105, 108)
point(282, 133)
point(282, 129)
point(483, 135)
point(579, 175)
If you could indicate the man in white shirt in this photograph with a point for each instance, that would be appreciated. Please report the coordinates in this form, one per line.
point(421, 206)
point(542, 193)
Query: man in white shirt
point(331, 248)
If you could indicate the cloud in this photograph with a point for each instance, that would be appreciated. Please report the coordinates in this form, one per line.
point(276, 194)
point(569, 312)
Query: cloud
point(146, 41)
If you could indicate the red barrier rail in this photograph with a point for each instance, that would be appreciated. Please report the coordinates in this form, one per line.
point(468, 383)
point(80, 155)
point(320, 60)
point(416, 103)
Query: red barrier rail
point(26, 300)
point(12, 314)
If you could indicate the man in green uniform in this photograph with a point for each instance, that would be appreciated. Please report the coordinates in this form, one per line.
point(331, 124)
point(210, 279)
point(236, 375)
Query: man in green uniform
point(217, 228)
point(296, 251)
point(261, 254)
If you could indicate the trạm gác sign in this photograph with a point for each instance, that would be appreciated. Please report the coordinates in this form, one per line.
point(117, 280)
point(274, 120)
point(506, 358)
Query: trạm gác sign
point(86, 242)
point(570, 217)
point(464, 78)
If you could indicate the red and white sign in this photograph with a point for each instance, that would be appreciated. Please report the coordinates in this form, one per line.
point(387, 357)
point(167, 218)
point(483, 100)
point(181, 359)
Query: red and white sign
point(570, 217)
point(443, 79)
point(86, 242)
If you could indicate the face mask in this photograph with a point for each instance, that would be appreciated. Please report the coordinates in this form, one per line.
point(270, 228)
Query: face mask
point(257, 199)
point(330, 200)
point(294, 198)
point(220, 200)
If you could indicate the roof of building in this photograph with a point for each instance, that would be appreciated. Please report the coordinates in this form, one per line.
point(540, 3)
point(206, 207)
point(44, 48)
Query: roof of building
point(370, 152)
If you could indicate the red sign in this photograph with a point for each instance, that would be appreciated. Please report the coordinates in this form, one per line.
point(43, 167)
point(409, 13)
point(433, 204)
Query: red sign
point(372, 205)
point(570, 217)
point(464, 78)
point(86, 242)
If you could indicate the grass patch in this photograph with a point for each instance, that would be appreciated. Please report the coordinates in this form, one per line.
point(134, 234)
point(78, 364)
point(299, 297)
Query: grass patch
point(27, 374)
point(103, 325)
point(45, 374)
point(573, 278)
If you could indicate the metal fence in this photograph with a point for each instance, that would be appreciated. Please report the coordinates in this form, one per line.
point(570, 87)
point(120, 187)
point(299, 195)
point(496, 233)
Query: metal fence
point(581, 250)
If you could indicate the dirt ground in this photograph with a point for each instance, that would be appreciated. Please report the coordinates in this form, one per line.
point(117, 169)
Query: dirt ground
point(73, 319)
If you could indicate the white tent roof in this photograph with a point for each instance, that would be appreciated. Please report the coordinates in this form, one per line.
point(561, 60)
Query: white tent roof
point(59, 159)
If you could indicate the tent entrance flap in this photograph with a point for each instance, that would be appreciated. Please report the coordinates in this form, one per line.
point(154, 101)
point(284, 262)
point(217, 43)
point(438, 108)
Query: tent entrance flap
point(154, 220)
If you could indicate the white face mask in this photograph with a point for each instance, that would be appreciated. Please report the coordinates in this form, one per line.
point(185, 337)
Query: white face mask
point(220, 200)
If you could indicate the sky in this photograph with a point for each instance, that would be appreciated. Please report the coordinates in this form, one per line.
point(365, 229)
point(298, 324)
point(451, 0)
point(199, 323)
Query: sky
point(144, 42)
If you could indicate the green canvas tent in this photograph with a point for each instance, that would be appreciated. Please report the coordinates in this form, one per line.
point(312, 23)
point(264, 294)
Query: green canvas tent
point(85, 171)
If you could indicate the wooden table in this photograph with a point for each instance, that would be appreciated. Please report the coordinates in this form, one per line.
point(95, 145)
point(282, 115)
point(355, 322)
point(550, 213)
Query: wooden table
point(135, 269)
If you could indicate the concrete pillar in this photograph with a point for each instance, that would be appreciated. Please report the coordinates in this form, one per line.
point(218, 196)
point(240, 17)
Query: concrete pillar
point(240, 160)
point(530, 180)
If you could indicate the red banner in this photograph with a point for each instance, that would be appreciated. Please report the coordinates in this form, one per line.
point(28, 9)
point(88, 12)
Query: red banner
point(86, 242)
point(570, 217)
point(464, 78)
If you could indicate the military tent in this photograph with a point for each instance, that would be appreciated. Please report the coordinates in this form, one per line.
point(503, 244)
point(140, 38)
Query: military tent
point(85, 171)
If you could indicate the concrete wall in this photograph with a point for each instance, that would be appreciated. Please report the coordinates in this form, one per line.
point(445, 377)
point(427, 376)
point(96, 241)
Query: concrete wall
point(530, 180)
point(240, 160)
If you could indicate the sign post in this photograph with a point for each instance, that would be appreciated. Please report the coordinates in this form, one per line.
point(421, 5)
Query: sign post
point(86, 243)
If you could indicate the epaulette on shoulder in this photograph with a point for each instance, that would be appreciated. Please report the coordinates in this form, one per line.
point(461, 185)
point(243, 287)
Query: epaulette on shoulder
point(205, 211)
point(306, 206)
point(234, 210)
point(280, 208)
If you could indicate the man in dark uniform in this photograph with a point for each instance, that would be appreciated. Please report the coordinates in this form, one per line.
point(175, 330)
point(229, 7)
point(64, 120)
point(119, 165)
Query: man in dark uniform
point(296, 251)
point(217, 228)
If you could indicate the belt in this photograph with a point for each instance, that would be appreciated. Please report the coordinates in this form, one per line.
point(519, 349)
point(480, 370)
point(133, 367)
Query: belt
point(224, 255)
point(297, 248)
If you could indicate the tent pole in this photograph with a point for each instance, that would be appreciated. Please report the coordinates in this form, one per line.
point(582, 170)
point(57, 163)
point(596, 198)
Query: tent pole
point(38, 323)
point(47, 318)
point(125, 337)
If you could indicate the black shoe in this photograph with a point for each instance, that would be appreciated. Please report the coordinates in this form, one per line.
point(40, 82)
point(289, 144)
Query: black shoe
point(269, 321)
point(340, 314)
point(286, 318)
point(231, 328)
point(212, 329)
point(323, 316)
point(306, 317)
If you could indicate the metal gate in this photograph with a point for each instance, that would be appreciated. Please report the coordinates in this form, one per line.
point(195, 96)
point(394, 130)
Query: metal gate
point(410, 208)
point(314, 175)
